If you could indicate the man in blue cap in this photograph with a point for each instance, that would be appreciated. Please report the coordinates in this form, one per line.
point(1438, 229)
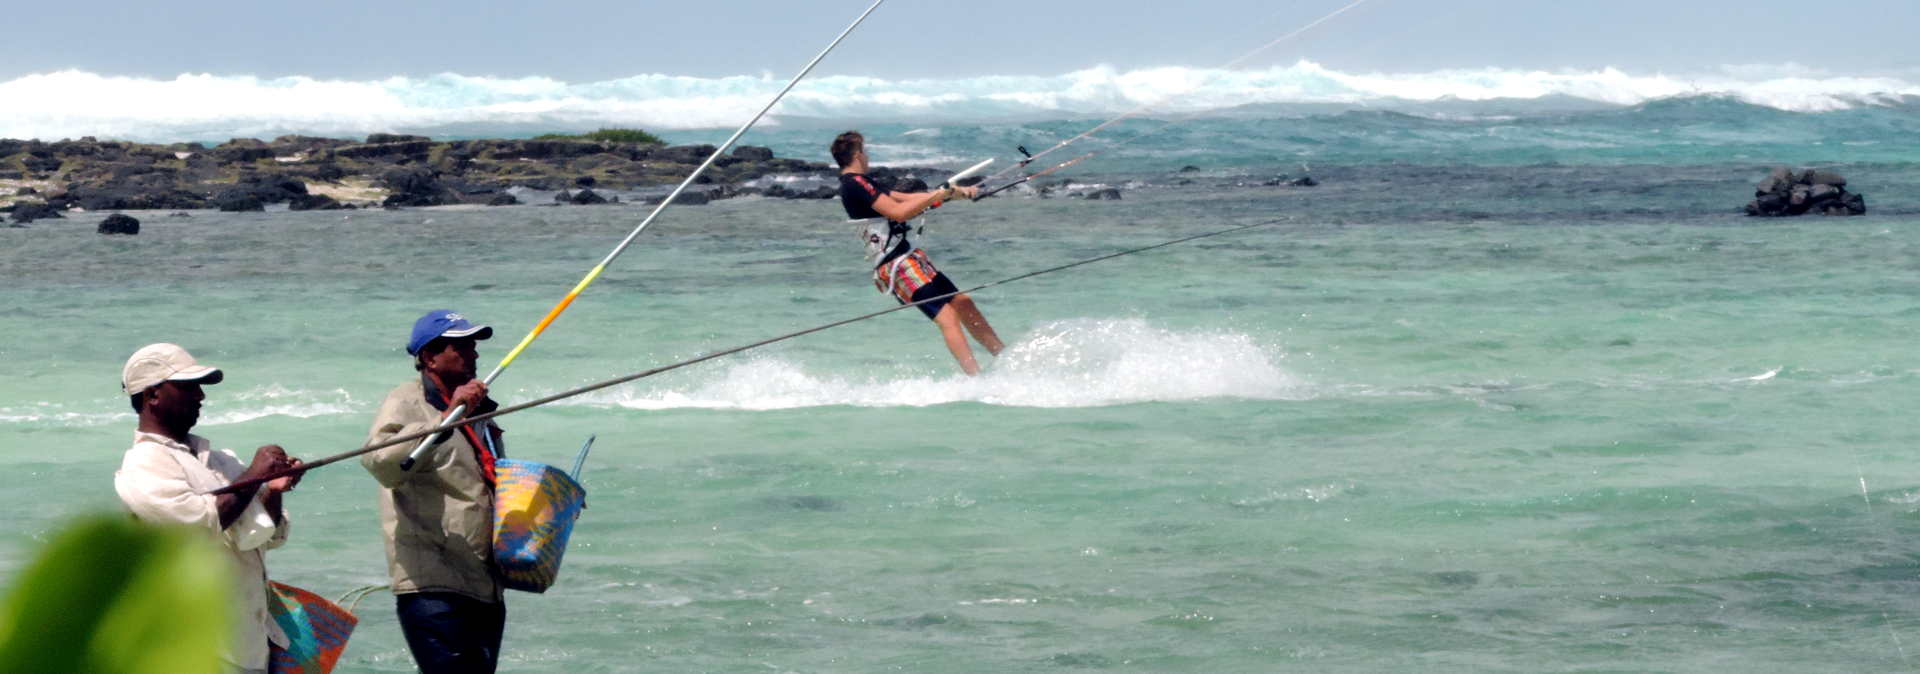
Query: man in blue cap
point(438, 517)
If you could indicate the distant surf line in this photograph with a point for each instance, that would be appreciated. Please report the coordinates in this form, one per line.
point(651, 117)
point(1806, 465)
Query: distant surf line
point(74, 103)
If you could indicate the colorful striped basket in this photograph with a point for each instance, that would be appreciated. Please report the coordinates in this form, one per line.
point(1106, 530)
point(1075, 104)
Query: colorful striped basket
point(317, 631)
point(534, 507)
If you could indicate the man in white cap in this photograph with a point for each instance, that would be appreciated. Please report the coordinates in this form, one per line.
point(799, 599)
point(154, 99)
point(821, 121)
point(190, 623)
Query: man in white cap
point(164, 479)
point(438, 517)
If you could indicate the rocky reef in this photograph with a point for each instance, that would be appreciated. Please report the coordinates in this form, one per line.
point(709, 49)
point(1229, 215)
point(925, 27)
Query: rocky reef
point(119, 223)
point(1787, 192)
point(41, 179)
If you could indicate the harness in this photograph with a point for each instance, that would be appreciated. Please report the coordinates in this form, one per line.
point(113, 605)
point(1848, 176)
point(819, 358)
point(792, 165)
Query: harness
point(880, 237)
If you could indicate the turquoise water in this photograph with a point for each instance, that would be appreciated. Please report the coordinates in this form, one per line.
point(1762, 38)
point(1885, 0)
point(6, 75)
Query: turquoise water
point(1712, 130)
point(1510, 418)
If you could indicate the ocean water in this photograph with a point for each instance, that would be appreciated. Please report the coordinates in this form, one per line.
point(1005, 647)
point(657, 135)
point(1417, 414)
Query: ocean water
point(215, 107)
point(1502, 394)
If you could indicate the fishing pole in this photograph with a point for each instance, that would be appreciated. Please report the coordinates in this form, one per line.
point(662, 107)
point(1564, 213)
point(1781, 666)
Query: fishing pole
point(643, 374)
point(1143, 108)
point(453, 416)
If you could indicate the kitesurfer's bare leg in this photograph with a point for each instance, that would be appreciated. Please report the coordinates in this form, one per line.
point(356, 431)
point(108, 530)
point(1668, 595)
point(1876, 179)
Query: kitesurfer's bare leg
point(949, 321)
point(976, 323)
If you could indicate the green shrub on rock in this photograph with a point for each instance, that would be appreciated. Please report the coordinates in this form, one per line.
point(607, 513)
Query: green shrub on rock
point(608, 136)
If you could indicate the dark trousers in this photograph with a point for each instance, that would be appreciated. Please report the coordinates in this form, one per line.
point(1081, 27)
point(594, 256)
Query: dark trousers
point(450, 632)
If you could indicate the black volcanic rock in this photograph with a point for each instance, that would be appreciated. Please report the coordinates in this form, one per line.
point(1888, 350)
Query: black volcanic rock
point(307, 143)
point(1105, 194)
point(240, 174)
point(41, 164)
point(241, 150)
point(1853, 202)
point(753, 153)
point(314, 202)
point(1290, 181)
point(503, 199)
point(274, 188)
point(687, 198)
point(394, 138)
point(119, 224)
point(1824, 177)
point(416, 186)
point(534, 149)
point(586, 198)
point(252, 192)
point(416, 150)
point(29, 211)
point(235, 155)
point(132, 195)
point(88, 147)
point(1786, 192)
point(322, 171)
point(238, 201)
point(684, 154)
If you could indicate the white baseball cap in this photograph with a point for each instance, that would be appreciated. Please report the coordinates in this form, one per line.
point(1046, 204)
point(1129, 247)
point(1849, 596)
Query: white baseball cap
point(155, 363)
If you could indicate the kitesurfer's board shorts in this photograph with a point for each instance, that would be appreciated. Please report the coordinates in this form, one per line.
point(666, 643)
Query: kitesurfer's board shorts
point(911, 278)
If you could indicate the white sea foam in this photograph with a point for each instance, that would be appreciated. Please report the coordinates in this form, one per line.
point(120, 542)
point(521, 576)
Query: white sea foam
point(1075, 363)
point(911, 155)
point(242, 406)
point(74, 103)
point(49, 415)
point(271, 400)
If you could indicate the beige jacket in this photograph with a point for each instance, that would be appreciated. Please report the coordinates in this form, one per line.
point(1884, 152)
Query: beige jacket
point(438, 517)
point(165, 482)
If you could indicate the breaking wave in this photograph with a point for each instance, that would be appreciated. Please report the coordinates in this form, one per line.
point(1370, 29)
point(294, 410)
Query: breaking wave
point(75, 103)
point(1075, 363)
point(247, 405)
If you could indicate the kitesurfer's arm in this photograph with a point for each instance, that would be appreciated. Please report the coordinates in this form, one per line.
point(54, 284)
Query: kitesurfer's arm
point(904, 206)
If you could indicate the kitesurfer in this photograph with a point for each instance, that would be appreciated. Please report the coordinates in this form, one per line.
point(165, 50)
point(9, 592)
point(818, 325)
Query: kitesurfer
point(899, 268)
point(164, 479)
point(438, 517)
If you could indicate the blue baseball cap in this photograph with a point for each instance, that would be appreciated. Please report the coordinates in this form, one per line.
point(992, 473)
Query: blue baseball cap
point(443, 323)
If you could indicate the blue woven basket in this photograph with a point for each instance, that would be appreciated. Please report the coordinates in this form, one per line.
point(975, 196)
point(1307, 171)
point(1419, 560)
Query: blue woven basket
point(317, 631)
point(534, 508)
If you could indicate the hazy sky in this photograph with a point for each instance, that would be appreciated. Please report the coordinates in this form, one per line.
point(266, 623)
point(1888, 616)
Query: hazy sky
point(590, 40)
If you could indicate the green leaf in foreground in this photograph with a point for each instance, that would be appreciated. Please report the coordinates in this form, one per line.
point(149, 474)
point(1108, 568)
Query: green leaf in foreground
point(112, 595)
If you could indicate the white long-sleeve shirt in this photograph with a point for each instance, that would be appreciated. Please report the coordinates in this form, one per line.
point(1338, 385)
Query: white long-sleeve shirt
point(165, 482)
